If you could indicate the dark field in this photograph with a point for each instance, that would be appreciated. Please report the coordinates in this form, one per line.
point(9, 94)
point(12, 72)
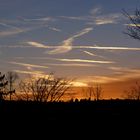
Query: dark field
point(72, 111)
point(85, 118)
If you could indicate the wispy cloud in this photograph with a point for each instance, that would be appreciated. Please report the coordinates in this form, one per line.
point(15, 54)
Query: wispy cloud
point(96, 10)
point(60, 49)
point(21, 25)
point(55, 29)
point(34, 73)
point(85, 60)
point(105, 19)
point(98, 19)
point(102, 21)
point(104, 79)
point(9, 26)
point(13, 32)
point(95, 17)
point(118, 68)
point(63, 49)
point(28, 65)
point(74, 18)
point(89, 53)
point(107, 48)
point(72, 65)
point(79, 84)
point(67, 44)
point(130, 74)
point(122, 74)
point(134, 74)
point(37, 45)
point(132, 25)
point(44, 19)
point(70, 40)
point(92, 54)
point(99, 79)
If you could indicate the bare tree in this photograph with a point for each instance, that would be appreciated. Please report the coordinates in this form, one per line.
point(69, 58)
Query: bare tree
point(93, 91)
point(11, 78)
point(24, 88)
point(3, 87)
point(98, 92)
point(45, 89)
point(133, 92)
point(133, 28)
point(89, 90)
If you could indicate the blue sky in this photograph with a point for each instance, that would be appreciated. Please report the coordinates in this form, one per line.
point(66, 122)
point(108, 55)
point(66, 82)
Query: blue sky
point(82, 39)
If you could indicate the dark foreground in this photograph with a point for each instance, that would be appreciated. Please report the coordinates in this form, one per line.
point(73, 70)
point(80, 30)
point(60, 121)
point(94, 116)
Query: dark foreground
point(71, 111)
point(112, 117)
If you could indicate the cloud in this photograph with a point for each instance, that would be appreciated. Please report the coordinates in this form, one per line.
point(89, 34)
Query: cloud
point(28, 65)
point(63, 49)
point(73, 18)
point(85, 61)
point(122, 74)
point(55, 29)
point(37, 45)
point(105, 79)
point(107, 48)
point(105, 19)
point(117, 68)
point(70, 40)
point(13, 32)
point(96, 10)
point(36, 19)
point(9, 26)
point(67, 44)
point(97, 79)
point(34, 73)
point(89, 53)
point(24, 25)
point(60, 49)
point(79, 84)
point(73, 65)
point(128, 74)
point(92, 54)
point(95, 18)
point(133, 25)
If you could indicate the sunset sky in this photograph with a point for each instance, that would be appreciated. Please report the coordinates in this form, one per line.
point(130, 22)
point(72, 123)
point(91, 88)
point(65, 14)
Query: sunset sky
point(82, 39)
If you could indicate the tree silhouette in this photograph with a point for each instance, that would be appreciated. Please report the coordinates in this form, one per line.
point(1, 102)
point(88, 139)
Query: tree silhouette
point(45, 89)
point(93, 91)
point(98, 92)
point(3, 85)
point(133, 28)
point(24, 88)
point(89, 90)
point(11, 78)
point(133, 92)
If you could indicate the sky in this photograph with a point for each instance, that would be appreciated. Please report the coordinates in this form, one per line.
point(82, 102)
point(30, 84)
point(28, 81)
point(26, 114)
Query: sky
point(81, 39)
